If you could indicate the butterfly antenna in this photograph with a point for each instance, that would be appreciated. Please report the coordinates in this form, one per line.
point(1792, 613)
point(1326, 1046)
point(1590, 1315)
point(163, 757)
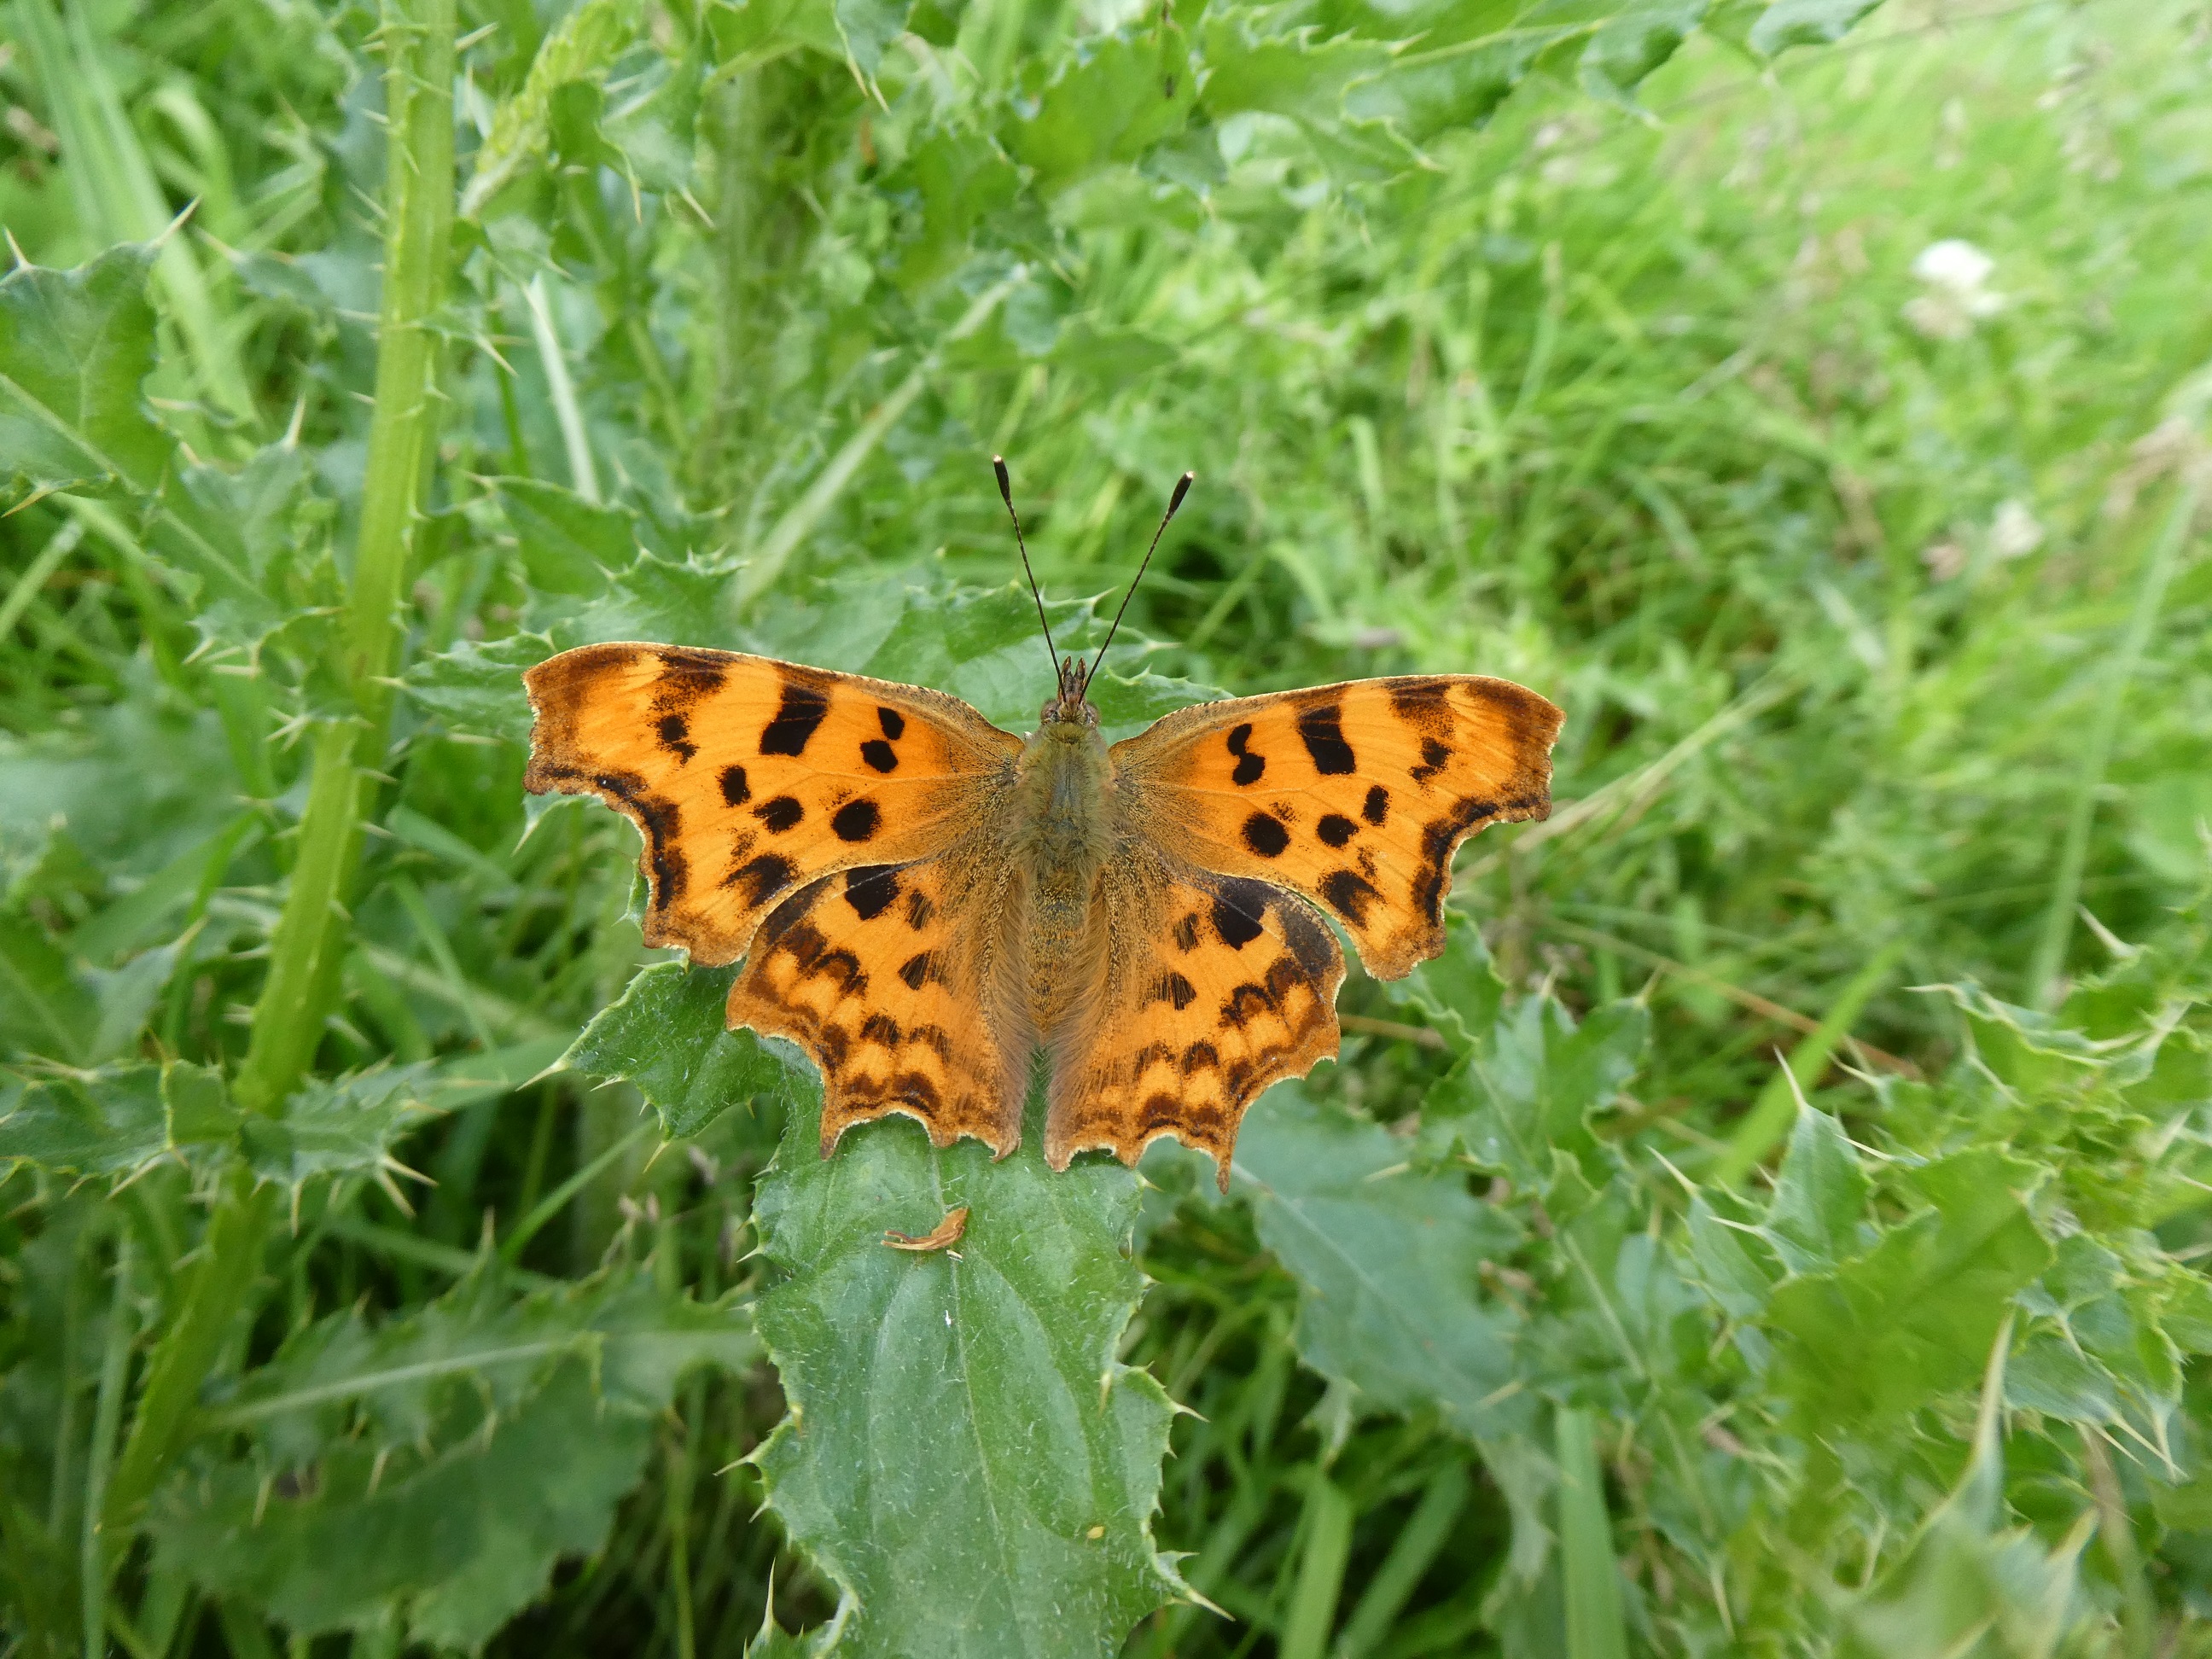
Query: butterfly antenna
point(1182, 490)
point(1006, 494)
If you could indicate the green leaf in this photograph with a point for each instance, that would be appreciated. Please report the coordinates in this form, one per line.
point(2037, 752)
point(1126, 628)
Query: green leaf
point(1387, 1257)
point(74, 347)
point(1879, 1335)
point(1820, 1195)
point(1458, 990)
point(109, 1122)
point(1967, 1584)
point(580, 49)
point(477, 687)
point(1769, 27)
point(1110, 101)
point(244, 541)
point(443, 1463)
point(1532, 1088)
point(867, 27)
point(568, 544)
point(339, 1125)
point(964, 1456)
point(655, 1037)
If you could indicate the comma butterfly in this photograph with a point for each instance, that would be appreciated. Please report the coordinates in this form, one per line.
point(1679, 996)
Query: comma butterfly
point(922, 901)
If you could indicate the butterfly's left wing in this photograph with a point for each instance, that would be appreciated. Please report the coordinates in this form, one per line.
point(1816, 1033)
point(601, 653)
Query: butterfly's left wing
point(1355, 795)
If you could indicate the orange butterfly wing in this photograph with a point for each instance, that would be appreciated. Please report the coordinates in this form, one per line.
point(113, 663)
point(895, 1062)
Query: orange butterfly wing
point(834, 830)
point(1355, 796)
point(1211, 988)
point(750, 778)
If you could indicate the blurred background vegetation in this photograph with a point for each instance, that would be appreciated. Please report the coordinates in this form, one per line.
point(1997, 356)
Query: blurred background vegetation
point(1819, 414)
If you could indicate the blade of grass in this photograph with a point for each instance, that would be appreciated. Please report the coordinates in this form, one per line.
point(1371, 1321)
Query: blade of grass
point(1595, 1627)
point(1416, 1547)
point(575, 442)
point(2043, 968)
point(96, 1552)
point(775, 548)
point(1321, 1570)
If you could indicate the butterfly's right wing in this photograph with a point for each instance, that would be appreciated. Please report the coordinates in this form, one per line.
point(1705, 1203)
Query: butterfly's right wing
point(750, 778)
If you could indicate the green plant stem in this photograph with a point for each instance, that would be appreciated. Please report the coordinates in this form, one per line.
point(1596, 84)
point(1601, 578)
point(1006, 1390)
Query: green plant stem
point(1595, 1627)
point(229, 1261)
point(309, 940)
point(305, 954)
point(107, 1419)
point(2049, 959)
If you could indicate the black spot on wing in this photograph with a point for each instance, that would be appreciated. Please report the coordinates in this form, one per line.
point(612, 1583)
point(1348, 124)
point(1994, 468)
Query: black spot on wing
point(758, 877)
point(1249, 765)
point(919, 910)
point(1335, 828)
point(780, 814)
point(675, 730)
point(1310, 942)
point(1422, 703)
point(1238, 909)
point(802, 710)
point(879, 755)
point(685, 677)
point(1172, 987)
point(1201, 1057)
point(893, 722)
point(1349, 894)
point(735, 789)
point(1435, 756)
point(1322, 729)
point(856, 820)
point(870, 890)
point(1245, 1003)
point(1377, 807)
point(917, 971)
point(1185, 933)
point(1265, 837)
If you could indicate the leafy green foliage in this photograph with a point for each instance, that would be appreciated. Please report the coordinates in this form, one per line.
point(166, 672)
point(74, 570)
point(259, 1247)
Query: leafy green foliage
point(964, 1456)
point(348, 1292)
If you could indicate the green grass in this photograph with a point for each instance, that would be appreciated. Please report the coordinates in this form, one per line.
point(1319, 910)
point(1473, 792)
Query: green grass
point(1559, 1316)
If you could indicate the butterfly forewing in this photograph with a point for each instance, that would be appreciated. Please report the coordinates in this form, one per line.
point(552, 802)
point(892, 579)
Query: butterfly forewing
point(1355, 795)
point(749, 778)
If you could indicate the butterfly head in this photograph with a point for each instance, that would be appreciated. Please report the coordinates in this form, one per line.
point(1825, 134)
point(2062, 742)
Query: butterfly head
point(1070, 704)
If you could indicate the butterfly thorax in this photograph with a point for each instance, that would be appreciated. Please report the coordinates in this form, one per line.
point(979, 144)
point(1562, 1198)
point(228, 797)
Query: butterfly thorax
point(1062, 839)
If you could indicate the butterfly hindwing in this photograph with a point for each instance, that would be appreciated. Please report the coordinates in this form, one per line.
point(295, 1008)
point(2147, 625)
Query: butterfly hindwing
point(878, 974)
point(750, 778)
point(1212, 987)
point(1355, 795)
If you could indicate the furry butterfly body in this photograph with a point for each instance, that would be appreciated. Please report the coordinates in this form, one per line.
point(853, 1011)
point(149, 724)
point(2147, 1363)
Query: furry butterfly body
point(922, 902)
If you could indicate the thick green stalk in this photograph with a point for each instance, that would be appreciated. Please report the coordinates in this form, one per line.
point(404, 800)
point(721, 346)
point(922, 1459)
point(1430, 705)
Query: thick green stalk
point(418, 40)
point(311, 934)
